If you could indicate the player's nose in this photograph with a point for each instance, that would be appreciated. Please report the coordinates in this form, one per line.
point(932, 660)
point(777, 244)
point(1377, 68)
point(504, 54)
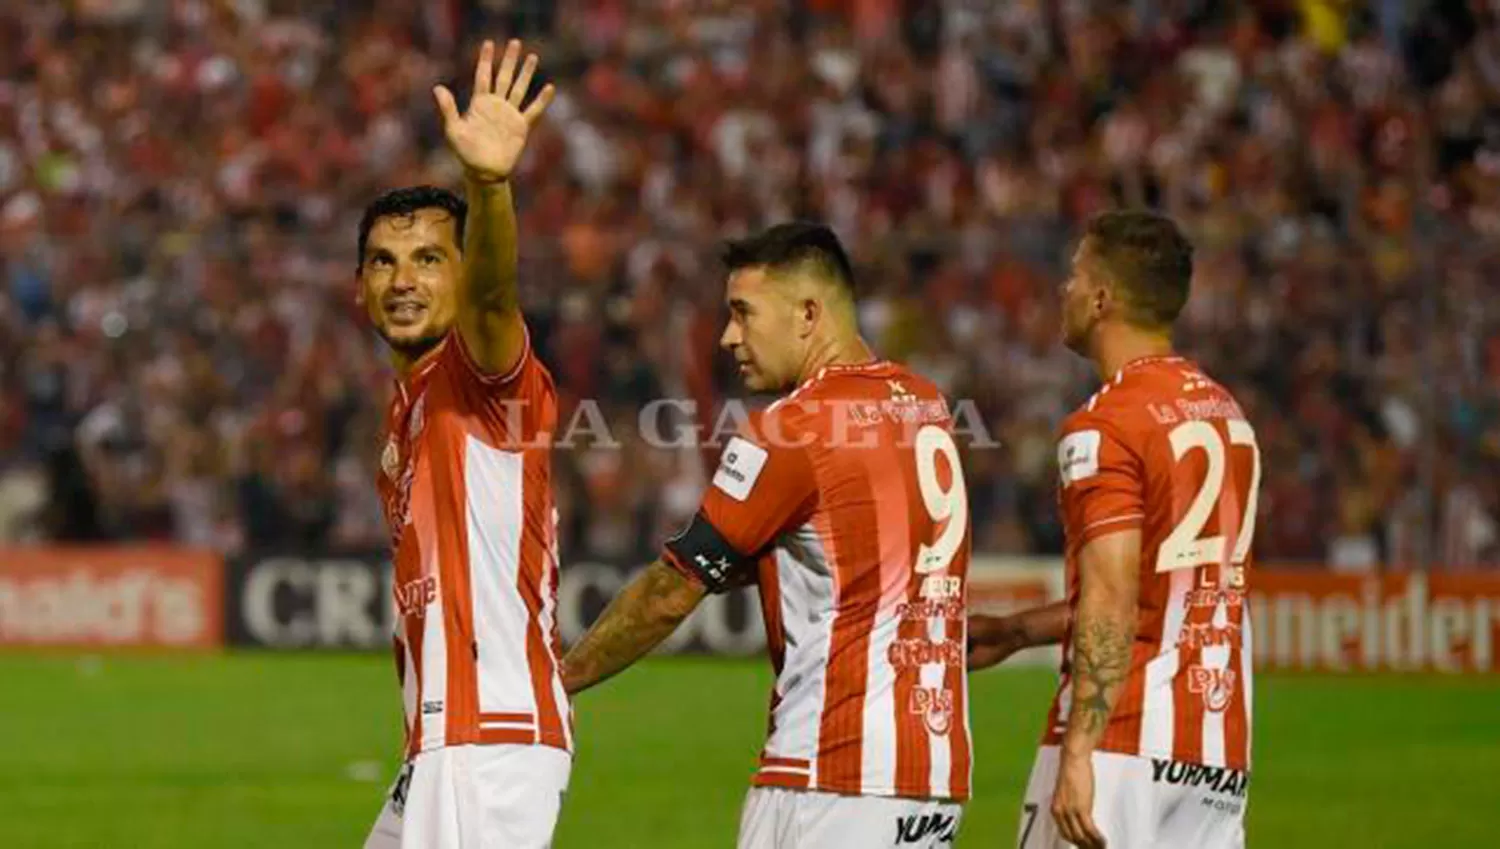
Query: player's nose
point(730, 338)
point(403, 280)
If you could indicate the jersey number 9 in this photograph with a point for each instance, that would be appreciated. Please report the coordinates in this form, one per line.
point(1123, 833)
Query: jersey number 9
point(950, 504)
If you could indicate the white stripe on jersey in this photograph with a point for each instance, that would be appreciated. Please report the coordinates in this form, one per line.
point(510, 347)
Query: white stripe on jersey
point(1157, 709)
point(434, 669)
point(409, 682)
point(940, 750)
point(806, 591)
point(1215, 657)
point(493, 483)
point(878, 763)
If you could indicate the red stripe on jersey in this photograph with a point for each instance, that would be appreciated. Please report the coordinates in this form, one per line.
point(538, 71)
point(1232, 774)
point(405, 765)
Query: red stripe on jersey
point(506, 736)
point(794, 763)
point(458, 627)
point(841, 730)
point(958, 769)
point(529, 583)
point(776, 778)
point(1187, 710)
point(1237, 718)
point(506, 717)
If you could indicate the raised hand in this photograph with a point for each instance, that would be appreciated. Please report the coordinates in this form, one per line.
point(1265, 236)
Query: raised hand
point(488, 138)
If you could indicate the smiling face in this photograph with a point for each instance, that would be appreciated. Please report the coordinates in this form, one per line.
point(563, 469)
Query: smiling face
point(409, 277)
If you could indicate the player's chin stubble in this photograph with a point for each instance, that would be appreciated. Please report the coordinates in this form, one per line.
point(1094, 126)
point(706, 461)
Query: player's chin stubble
point(412, 349)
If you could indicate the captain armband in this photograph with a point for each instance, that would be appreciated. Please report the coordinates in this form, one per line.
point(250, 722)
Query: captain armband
point(702, 552)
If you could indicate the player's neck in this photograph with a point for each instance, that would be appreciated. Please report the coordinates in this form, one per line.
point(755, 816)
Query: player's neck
point(849, 351)
point(402, 364)
point(1118, 346)
point(406, 361)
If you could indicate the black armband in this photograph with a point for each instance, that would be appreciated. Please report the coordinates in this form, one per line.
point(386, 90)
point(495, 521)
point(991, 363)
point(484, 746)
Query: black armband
point(704, 553)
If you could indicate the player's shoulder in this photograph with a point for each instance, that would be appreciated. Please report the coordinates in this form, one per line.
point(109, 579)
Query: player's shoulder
point(839, 397)
point(875, 381)
point(529, 376)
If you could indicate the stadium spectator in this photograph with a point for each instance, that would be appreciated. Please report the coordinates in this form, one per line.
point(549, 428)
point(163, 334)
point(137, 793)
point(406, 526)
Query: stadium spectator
point(175, 250)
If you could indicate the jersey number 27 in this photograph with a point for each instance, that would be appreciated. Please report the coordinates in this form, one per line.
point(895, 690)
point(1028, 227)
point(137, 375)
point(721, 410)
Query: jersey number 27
point(1186, 547)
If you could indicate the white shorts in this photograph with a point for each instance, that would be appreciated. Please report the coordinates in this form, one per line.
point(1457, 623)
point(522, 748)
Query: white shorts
point(777, 818)
point(1142, 802)
point(475, 797)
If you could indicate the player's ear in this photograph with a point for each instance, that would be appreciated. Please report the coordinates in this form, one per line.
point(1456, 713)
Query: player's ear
point(808, 313)
point(1104, 297)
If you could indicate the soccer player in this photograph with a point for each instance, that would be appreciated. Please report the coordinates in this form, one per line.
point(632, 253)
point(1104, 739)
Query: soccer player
point(1148, 740)
point(845, 501)
point(466, 487)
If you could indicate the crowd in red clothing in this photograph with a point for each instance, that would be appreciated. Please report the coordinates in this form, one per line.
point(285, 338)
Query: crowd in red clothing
point(181, 358)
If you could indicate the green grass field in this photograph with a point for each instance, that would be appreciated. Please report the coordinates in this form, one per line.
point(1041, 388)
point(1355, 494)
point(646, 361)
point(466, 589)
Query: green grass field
point(291, 751)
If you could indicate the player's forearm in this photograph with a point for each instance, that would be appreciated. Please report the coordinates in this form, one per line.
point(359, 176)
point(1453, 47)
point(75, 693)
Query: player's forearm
point(1103, 634)
point(635, 622)
point(1038, 626)
point(489, 281)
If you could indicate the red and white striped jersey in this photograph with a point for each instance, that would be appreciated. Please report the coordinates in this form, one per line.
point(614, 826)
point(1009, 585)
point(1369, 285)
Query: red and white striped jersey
point(467, 489)
point(1165, 449)
point(846, 502)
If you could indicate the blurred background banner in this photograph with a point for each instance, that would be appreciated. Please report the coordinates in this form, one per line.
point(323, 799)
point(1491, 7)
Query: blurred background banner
point(111, 598)
point(283, 600)
point(1306, 619)
point(1411, 622)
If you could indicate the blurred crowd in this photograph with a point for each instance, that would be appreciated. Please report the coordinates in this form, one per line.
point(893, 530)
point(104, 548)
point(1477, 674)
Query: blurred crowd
point(180, 183)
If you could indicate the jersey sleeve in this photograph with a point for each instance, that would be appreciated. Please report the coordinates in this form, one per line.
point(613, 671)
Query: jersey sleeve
point(516, 405)
point(760, 488)
point(1101, 479)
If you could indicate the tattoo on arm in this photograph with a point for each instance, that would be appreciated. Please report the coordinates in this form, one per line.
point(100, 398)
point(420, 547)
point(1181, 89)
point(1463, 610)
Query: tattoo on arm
point(1101, 662)
point(1103, 635)
point(640, 617)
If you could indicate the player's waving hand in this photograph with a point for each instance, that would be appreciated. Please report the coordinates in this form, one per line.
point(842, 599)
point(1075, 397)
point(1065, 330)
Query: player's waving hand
point(490, 135)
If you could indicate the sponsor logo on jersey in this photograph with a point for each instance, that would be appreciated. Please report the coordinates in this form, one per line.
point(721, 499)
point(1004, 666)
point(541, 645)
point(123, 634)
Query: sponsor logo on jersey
point(1216, 686)
point(927, 829)
point(1231, 782)
point(1197, 635)
point(914, 651)
point(935, 706)
point(1078, 456)
point(739, 468)
point(413, 597)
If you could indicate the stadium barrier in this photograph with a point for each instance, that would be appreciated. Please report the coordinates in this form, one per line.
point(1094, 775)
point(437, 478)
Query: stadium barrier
point(166, 598)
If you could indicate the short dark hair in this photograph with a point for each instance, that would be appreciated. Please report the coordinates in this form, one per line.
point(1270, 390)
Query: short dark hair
point(791, 245)
point(1148, 258)
point(409, 201)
